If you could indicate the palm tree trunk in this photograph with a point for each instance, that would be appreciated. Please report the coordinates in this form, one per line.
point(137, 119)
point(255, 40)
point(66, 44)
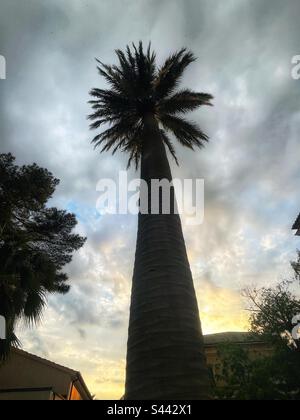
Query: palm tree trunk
point(165, 357)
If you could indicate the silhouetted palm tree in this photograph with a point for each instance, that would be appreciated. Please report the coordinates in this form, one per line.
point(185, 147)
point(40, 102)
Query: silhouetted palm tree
point(165, 357)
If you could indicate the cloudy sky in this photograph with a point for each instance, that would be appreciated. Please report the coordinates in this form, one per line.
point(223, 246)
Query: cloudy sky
point(250, 167)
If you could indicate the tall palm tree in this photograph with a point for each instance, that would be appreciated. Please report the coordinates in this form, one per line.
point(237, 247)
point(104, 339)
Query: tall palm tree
point(165, 357)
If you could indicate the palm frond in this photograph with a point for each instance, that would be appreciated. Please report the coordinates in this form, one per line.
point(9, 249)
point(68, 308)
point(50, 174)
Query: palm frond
point(169, 145)
point(186, 132)
point(114, 134)
point(184, 101)
point(145, 66)
point(34, 305)
point(171, 72)
point(134, 146)
point(111, 75)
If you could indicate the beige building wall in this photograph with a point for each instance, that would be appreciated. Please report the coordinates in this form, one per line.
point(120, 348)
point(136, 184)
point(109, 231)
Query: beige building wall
point(30, 377)
point(255, 349)
point(24, 372)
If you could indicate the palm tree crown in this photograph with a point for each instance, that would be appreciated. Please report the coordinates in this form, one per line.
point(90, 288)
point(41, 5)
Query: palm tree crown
point(139, 87)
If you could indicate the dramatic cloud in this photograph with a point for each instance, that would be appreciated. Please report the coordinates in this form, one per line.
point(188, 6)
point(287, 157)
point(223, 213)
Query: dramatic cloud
point(250, 167)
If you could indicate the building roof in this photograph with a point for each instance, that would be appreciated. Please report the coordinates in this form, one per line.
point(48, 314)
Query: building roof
point(230, 337)
point(74, 375)
point(45, 362)
point(296, 225)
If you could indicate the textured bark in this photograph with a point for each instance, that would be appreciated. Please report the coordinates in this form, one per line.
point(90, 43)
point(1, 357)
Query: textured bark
point(165, 357)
